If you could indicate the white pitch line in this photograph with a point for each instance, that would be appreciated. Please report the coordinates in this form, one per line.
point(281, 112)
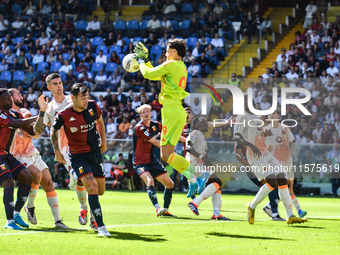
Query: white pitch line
point(145, 225)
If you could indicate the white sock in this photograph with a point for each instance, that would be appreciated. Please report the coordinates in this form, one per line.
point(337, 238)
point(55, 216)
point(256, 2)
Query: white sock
point(296, 203)
point(275, 214)
point(207, 192)
point(9, 221)
point(217, 202)
point(81, 194)
point(32, 195)
point(53, 202)
point(268, 205)
point(286, 200)
point(261, 194)
point(157, 206)
point(16, 212)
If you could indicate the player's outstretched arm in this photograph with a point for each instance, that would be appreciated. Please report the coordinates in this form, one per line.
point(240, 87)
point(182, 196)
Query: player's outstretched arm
point(25, 124)
point(102, 135)
point(239, 139)
point(39, 125)
point(242, 160)
point(199, 156)
point(155, 142)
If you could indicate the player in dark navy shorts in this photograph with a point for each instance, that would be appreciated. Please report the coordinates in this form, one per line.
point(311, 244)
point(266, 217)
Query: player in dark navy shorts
point(240, 153)
point(146, 164)
point(10, 168)
point(80, 121)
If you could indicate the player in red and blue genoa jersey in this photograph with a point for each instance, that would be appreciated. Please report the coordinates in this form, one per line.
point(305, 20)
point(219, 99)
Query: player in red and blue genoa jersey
point(80, 121)
point(10, 168)
point(146, 164)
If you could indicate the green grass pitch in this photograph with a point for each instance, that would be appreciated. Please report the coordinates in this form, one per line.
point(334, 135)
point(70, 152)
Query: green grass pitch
point(131, 219)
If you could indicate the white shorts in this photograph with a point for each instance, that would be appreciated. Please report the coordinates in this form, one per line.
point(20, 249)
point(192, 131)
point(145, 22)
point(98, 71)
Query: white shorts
point(199, 170)
point(36, 160)
point(68, 165)
point(289, 170)
point(265, 166)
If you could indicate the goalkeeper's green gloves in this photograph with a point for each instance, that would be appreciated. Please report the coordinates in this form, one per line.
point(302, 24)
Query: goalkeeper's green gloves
point(141, 53)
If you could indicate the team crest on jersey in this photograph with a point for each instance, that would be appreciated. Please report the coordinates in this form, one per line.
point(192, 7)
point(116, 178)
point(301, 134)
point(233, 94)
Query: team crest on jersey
point(69, 167)
point(91, 112)
point(81, 170)
point(283, 132)
point(141, 169)
point(3, 167)
point(25, 164)
point(12, 113)
point(154, 128)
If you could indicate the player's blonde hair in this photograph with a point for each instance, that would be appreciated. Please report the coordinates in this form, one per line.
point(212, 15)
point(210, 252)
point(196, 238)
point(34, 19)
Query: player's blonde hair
point(142, 107)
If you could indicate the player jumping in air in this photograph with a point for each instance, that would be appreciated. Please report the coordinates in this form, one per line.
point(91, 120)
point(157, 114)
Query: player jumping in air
point(24, 150)
point(10, 168)
point(281, 138)
point(146, 164)
point(80, 120)
point(262, 163)
point(173, 76)
point(60, 101)
point(197, 147)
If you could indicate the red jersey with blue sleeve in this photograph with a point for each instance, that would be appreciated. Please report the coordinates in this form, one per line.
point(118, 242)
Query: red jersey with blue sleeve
point(80, 127)
point(6, 132)
point(186, 131)
point(143, 151)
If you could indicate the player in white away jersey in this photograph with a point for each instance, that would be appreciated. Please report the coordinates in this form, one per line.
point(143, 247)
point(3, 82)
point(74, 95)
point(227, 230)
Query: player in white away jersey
point(23, 149)
point(196, 147)
point(281, 138)
point(249, 132)
point(60, 101)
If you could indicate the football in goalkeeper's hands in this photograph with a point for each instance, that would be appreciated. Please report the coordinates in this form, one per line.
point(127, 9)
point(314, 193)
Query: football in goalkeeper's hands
point(130, 63)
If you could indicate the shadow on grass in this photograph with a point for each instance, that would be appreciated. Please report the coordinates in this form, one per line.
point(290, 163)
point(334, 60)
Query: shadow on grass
point(330, 219)
point(185, 218)
point(220, 234)
point(69, 230)
point(136, 237)
point(298, 226)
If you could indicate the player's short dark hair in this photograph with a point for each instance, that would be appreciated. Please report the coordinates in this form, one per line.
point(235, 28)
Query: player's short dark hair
point(189, 109)
point(78, 88)
point(51, 77)
point(120, 154)
point(3, 91)
point(179, 45)
point(195, 121)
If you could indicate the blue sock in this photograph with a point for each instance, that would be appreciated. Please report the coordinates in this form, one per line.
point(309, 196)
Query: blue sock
point(167, 198)
point(22, 196)
point(273, 198)
point(96, 210)
point(152, 194)
point(8, 202)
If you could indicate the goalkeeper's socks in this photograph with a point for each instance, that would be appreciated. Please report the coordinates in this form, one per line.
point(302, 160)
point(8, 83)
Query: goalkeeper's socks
point(180, 164)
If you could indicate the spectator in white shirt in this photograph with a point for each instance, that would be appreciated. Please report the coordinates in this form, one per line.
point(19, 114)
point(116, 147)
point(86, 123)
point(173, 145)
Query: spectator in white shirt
point(196, 52)
point(196, 107)
point(266, 75)
point(135, 103)
point(332, 70)
point(309, 83)
point(292, 74)
point(93, 26)
point(169, 8)
point(266, 27)
point(35, 109)
point(99, 80)
point(279, 57)
point(325, 23)
point(217, 42)
point(310, 11)
point(101, 58)
point(194, 69)
point(164, 41)
point(111, 129)
point(300, 138)
point(314, 37)
point(3, 66)
point(5, 48)
point(3, 25)
point(264, 105)
point(66, 67)
point(154, 25)
point(256, 97)
point(218, 11)
point(317, 132)
point(38, 58)
point(326, 37)
point(166, 25)
point(18, 27)
point(43, 39)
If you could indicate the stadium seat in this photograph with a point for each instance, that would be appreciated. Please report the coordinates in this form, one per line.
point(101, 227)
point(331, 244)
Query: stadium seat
point(76, 74)
point(126, 44)
point(143, 29)
point(3, 8)
point(155, 52)
point(191, 42)
point(1, 56)
point(16, 40)
point(132, 28)
point(55, 66)
point(96, 67)
point(110, 67)
point(18, 78)
point(41, 66)
point(16, 8)
point(66, 56)
point(175, 25)
point(186, 11)
point(119, 27)
point(115, 48)
point(11, 47)
point(184, 30)
point(135, 40)
point(29, 57)
point(81, 24)
point(144, 24)
point(121, 57)
point(80, 56)
point(6, 76)
point(86, 64)
point(97, 41)
point(63, 76)
point(103, 48)
point(73, 65)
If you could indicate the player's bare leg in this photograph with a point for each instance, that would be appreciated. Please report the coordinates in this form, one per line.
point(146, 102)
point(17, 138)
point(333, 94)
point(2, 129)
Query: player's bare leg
point(295, 200)
point(91, 187)
point(169, 185)
point(30, 208)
